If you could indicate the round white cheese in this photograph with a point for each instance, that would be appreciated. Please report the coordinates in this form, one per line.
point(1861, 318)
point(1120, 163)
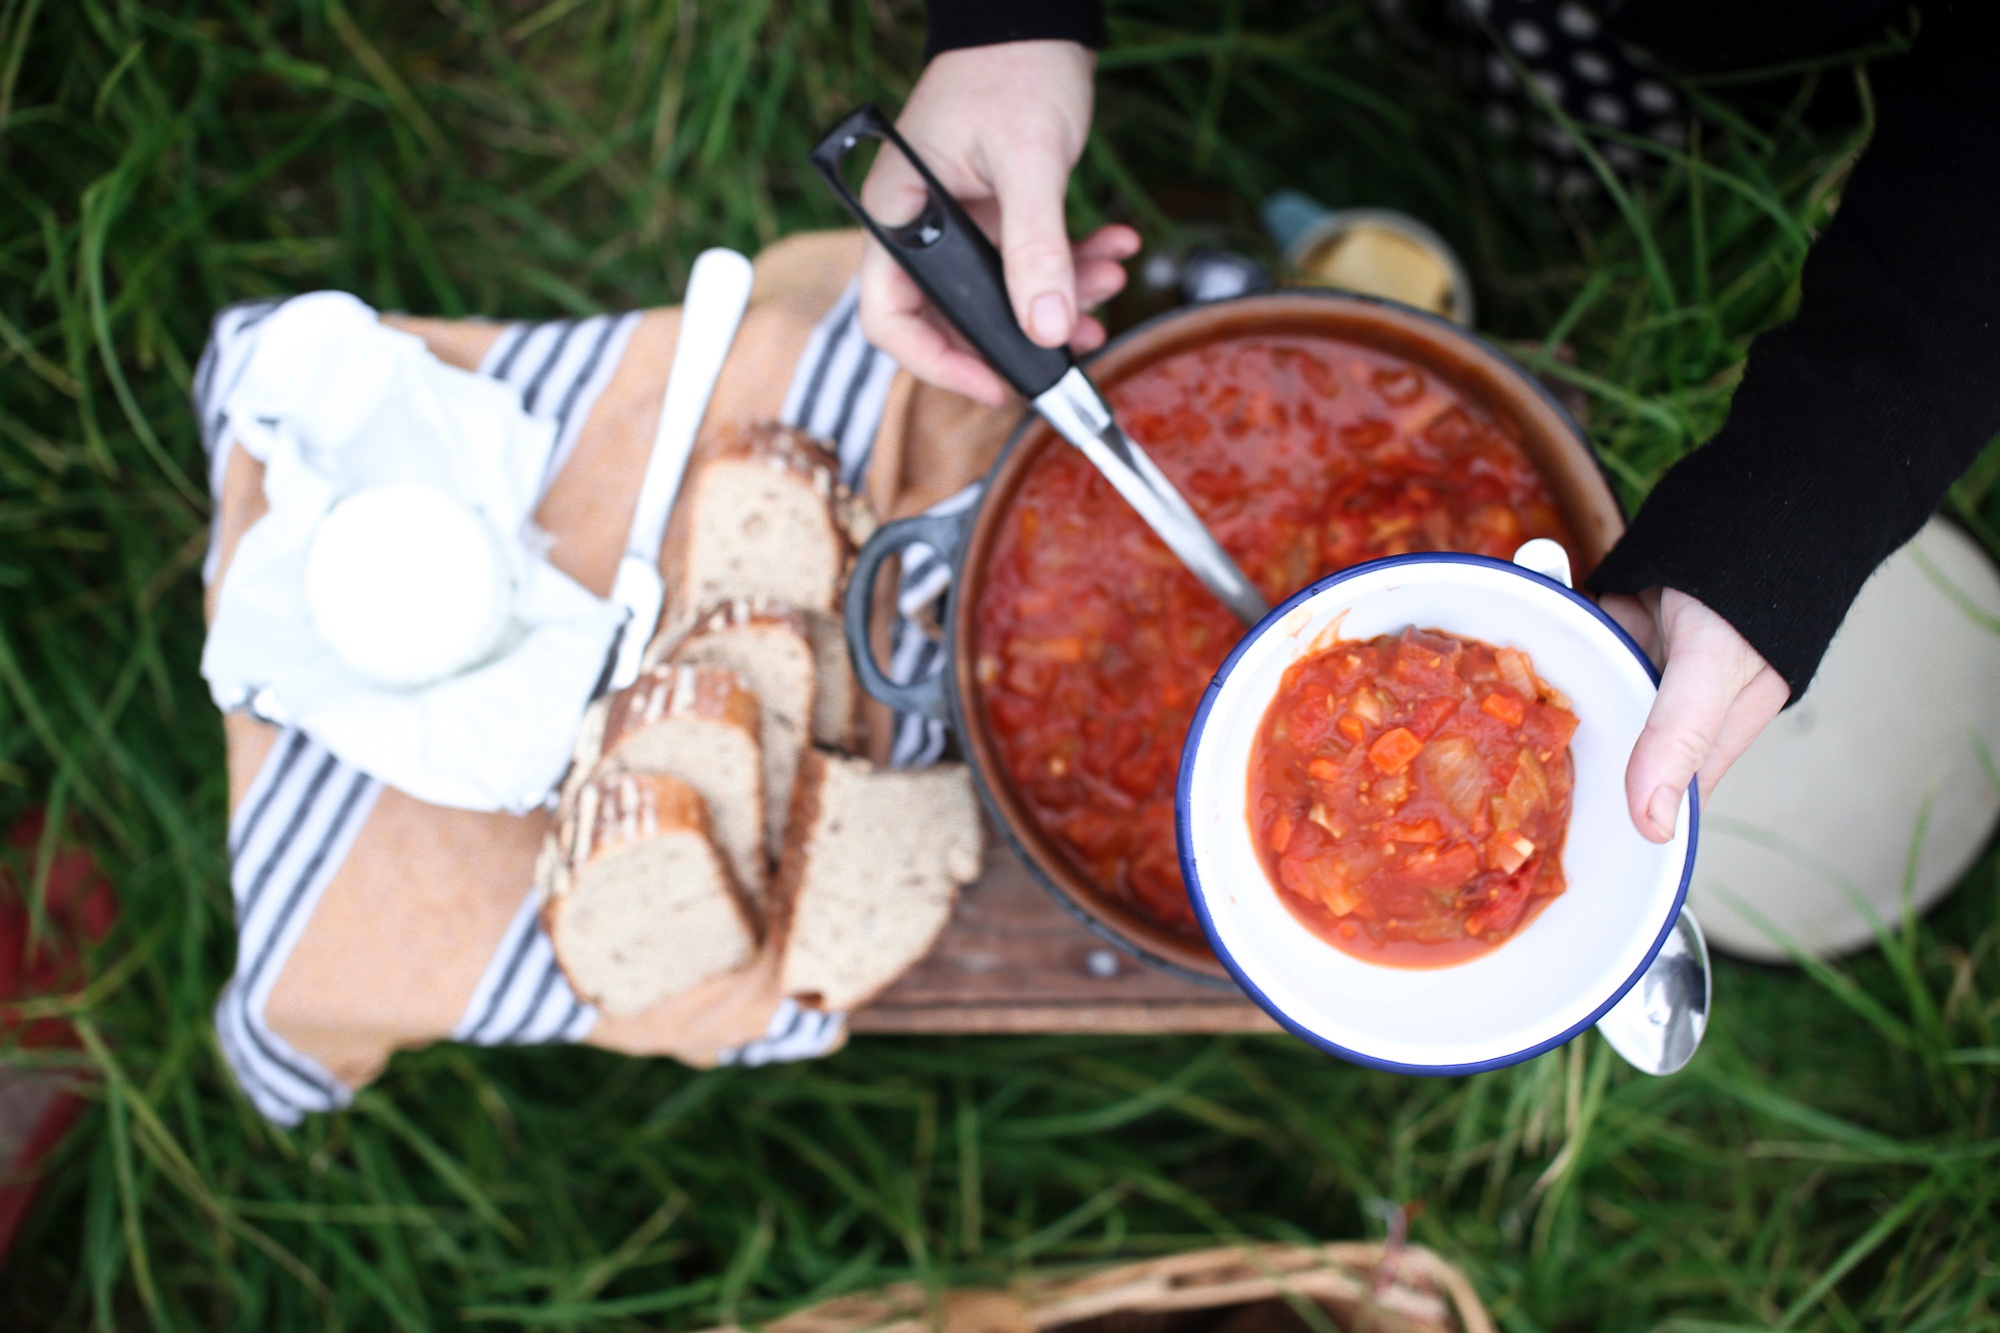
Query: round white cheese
point(407, 584)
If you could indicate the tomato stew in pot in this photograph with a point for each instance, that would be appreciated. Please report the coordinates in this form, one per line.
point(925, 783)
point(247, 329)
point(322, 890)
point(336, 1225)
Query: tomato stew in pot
point(1409, 796)
point(1304, 455)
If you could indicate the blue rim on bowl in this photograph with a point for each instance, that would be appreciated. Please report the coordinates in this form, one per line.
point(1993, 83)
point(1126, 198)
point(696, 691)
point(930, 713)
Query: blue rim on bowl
point(1198, 895)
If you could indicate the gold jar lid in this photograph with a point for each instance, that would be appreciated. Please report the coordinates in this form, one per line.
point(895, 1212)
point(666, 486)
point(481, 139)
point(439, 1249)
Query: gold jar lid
point(1379, 252)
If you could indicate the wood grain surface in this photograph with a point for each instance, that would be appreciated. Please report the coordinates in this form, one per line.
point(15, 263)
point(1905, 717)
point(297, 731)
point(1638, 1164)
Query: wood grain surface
point(1013, 960)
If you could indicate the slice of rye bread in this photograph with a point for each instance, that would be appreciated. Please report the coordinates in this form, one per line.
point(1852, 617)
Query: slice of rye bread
point(873, 861)
point(762, 517)
point(770, 647)
point(641, 907)
point(699, 724)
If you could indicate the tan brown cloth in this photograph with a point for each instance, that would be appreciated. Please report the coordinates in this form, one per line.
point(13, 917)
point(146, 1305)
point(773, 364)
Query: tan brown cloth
point(392, 953)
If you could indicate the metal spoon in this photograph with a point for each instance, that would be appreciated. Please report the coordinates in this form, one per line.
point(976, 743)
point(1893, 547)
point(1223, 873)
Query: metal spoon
point(947, 256)
point(1660, 1022)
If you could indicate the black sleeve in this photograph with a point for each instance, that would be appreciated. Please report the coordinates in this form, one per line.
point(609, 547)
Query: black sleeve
point(1703, 36)
point(960, 23)
point(1853, 420)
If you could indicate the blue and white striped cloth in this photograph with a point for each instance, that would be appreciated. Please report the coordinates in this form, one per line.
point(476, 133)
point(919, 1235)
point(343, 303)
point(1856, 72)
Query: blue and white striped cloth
point(290, 834)
point(295, 825)
point(840, 387)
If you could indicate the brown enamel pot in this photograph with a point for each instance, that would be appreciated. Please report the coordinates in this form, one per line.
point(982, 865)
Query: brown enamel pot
point(1546, 433)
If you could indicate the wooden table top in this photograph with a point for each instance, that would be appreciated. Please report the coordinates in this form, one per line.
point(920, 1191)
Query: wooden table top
point(1013, 960)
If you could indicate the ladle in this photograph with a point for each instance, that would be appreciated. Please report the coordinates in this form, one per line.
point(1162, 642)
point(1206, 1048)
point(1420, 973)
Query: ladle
point(947, 255)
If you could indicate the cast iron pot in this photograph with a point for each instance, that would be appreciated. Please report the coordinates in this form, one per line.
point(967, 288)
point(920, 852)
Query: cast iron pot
point(1547, 433)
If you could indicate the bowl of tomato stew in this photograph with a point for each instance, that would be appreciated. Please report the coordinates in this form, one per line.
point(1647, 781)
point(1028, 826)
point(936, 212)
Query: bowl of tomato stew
point(1311, 432)
point(1402, 814)
point(1410, 795)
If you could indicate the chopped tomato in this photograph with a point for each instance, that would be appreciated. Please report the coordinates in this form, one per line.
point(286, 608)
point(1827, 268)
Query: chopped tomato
point(1312, 719)
point(1430, 715)
point(1547, 728)
point(1438, 867)
point(1501, 912)
point(1426, 829)
point(1426, 665)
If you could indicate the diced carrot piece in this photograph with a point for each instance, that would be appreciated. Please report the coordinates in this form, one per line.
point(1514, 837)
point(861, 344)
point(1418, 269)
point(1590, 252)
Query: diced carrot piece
point(1507, 708)
point(1350, 727)
point(1426, 829)
point(1324, 769)
point(1065, 648)
point(1394, 749)
point(1281, 833)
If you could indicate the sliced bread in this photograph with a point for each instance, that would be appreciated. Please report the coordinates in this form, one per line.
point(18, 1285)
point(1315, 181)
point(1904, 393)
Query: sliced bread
point(770, 648)
point(836, 719)
point(762, 516)
point(641, 908)
point(699, 724)
point(873, 861)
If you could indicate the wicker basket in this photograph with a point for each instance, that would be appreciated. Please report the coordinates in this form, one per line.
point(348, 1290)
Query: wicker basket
point(1242, 1289)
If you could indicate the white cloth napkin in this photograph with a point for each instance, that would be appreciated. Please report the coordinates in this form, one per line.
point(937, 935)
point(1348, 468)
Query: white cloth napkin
point(332, 402)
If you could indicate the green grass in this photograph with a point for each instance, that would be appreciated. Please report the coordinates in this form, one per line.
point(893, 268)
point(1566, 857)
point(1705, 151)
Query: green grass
point(1829, 1161)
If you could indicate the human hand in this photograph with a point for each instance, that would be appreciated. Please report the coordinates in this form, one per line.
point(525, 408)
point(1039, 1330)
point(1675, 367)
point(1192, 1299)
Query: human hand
point(1716, 694)
point(1000, 127)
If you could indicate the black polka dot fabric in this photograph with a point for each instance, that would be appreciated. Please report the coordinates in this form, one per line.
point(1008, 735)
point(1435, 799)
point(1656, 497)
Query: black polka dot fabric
point(1596, 80)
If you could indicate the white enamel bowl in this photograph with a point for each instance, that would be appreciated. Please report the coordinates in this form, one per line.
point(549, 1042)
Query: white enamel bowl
point(1555, 977)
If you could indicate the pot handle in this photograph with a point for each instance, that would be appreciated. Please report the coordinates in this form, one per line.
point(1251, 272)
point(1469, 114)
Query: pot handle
point(946, 534)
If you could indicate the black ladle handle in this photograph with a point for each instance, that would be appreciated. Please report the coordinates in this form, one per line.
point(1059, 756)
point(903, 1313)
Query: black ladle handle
point(947, 255)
